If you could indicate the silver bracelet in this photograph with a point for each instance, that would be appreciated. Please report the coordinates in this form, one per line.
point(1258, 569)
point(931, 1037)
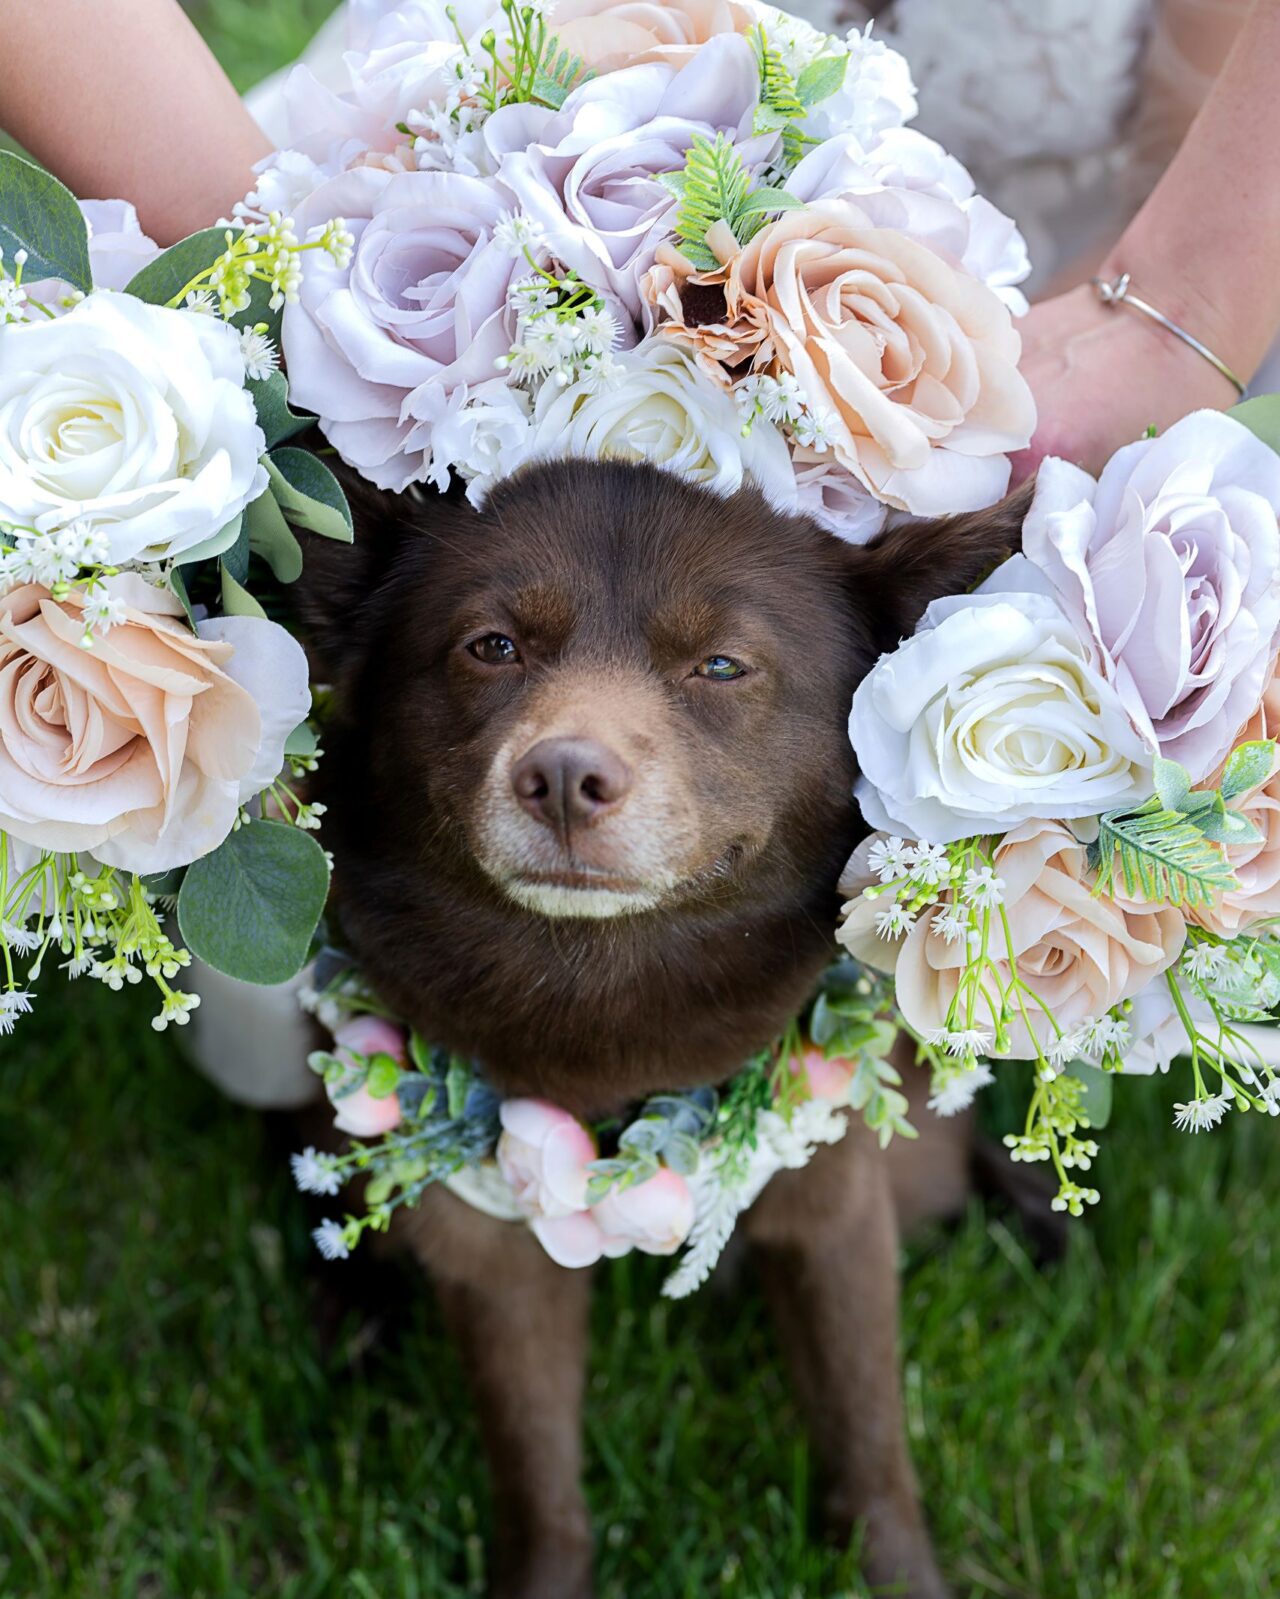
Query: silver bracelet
point(1117, 293)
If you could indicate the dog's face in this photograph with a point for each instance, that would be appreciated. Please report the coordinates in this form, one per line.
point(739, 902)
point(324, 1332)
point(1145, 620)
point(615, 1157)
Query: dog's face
point(609, 692)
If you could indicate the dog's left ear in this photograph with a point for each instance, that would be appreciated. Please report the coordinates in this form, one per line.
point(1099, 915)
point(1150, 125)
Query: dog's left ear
point(896, 576)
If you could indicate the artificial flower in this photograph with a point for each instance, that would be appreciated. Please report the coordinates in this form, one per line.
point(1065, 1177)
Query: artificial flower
point(611, 34)
point(653, 1216)
point(913, 362)
point(421, 310)
point(590, 175)
point(666, 411)
point(131, 418)
point(1079, 953)
point(1170, 564)
point(359, 1112)
point(992, 714)
point(143, 748)
point(544, 1154)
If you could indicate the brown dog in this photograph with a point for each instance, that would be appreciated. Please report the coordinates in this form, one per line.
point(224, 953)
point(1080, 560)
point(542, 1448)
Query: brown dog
point(589, 788)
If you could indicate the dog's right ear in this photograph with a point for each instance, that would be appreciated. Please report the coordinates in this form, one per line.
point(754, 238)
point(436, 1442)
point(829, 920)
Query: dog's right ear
point(898, 575)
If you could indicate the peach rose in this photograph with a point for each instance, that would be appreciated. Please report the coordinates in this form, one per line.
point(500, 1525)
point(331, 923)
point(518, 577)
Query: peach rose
point(609, 34)
point(825, 1079)
point(1081, 953)
point(1257, 865)
point(911, 362)
point(653, 1216)
point(143, 748)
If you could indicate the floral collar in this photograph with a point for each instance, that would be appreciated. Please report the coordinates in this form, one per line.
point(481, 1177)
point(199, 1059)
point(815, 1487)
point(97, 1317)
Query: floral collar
point(677, 1174)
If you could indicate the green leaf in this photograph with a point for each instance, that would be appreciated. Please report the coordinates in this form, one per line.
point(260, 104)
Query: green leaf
point(1162, 856)
point(236, 599)
point(558, 73)
point(1248, 766)
point(821, 79)
point(309, 494)
point(251, 907)
point(1230, 828)
point(40, 215)
point(770, 199)
point(271, 537)
point(1262, 417)
point(275, 417)
point(384, 1076)
point(216, 544)
point(302, 741)
point(1173, 783)
point(457, 1085)
point(1096, 1099)
point(235, 558)
point(167, 277)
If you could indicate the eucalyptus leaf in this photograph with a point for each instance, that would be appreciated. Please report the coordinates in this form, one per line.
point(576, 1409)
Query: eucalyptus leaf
point(309, 494)
point(236, 599)
point(769, 199)
point(40, 215)
point(1173, 783)
point(384, 1076)
point(276, 417)
point(216, 544)
point(250, 908)
point(1232, 828)
point(235, 558)
point(1097, 1091)
point(271, 537)
point(1262, 417)
point(303, 741)
point(821, 79)
point(1248, 766)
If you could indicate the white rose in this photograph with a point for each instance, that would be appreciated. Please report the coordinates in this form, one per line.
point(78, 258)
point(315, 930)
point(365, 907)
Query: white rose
point(993, 713)
point(131, 418)
point(666, 411)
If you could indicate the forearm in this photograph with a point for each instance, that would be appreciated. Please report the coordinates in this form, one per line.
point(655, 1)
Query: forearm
point(1205, 247)
point(123, 100)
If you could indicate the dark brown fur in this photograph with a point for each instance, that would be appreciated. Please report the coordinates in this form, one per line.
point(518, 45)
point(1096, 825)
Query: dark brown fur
point(616, 581)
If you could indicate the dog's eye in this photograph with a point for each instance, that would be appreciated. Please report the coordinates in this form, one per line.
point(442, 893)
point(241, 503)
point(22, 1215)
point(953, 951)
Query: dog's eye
point(494, 649)
point(719, 668)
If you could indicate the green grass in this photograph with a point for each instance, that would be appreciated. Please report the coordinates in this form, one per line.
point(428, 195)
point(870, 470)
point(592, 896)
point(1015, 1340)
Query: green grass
point(254, 37)
point(171, 1426)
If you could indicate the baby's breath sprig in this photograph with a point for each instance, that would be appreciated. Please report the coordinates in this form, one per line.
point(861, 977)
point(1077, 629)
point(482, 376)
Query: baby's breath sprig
point(103, 921)
point(66, 560)
point(261, 252)
point(564, 333)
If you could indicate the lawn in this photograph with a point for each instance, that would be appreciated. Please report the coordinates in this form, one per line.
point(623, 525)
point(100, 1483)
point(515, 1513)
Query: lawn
point(173, 1424)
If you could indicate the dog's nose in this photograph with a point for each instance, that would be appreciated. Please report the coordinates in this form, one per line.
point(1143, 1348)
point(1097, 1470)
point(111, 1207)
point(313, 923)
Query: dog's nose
point(569, 782)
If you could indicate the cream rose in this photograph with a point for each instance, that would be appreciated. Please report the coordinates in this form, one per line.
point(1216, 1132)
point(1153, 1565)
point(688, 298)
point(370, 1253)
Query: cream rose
point(132, 418)
point(992, 714)
point(143, 748)
point(1080, 953)
point(912, 363)
point(664, 410)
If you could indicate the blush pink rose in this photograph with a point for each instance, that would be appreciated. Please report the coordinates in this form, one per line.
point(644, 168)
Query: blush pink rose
point(544, 1154)
point(825, 1079)
point(609, 34)
point(653, 1216)
point(360, 1113)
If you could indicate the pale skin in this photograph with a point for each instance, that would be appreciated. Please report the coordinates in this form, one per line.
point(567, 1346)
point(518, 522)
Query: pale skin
point(1203, 249)
point(123, 100)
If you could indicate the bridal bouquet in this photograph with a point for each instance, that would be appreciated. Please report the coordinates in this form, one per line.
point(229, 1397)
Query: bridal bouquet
point(149, 707)
point(690, 231)
point(1075, 780)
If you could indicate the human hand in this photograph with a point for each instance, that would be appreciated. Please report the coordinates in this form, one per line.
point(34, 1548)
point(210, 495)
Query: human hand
point(1102, 376)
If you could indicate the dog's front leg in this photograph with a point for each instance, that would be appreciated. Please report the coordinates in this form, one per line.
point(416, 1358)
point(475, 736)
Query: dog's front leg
point(827, 1244)
point(521, 1323)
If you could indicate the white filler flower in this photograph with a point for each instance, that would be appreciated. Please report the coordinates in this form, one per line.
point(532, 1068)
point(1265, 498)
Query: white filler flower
point(132, 418)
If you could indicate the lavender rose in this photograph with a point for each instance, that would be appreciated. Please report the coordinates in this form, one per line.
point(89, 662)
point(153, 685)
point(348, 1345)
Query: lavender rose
point(1170, 564)
point(591, 176)
point(420, 313)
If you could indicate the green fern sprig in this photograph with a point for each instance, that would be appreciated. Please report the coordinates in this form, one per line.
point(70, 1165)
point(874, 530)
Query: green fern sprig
point(715, 186)
point(1161, 855)
point(557, 74)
